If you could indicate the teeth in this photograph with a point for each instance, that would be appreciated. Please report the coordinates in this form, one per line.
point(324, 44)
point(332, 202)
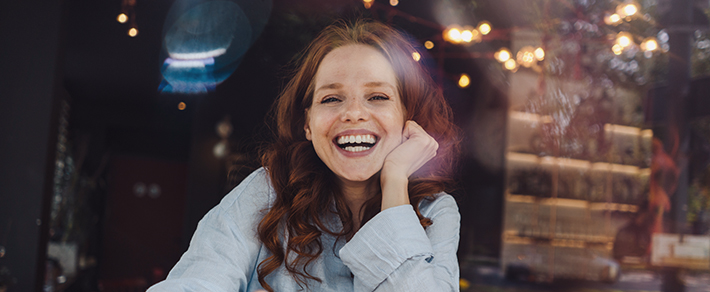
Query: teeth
point(356, 148)
point(357, 139)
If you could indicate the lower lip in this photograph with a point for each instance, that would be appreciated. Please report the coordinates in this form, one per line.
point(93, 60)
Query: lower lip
point(355, 154)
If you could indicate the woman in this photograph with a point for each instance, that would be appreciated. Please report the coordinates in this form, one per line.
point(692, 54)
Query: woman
point(350, 195)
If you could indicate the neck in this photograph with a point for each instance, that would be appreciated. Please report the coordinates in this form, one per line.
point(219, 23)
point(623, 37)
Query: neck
point(356, 193)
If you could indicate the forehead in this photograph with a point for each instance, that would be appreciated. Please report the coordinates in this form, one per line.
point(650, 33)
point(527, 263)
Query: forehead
point(354, 65)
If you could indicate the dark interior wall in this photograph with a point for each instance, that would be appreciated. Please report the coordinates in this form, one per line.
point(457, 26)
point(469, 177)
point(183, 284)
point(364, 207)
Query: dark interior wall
point(30, 34)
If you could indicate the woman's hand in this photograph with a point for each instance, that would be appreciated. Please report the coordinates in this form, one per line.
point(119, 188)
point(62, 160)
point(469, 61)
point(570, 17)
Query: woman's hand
point(417, 148)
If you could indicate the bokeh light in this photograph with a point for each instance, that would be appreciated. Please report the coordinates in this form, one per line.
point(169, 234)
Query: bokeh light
point(502, 55)
point(466, 36)
point(624, 39)
point(484, 27)
point(464, 81)
point(510, 64)
point(122, 18)
point(429, 45)
point(453, 34)
point(181, 106)
point(416, 56)
point(539, 54)
point(649, 44)
point(133, 32)
point(629, 9)
point(394, 2)
point(617, 49)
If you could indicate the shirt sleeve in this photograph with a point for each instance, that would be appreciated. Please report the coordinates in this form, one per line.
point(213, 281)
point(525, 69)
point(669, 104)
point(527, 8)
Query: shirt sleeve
point(224, 249)
point(393, 252)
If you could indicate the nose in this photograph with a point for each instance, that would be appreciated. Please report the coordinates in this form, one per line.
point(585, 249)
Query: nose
point(355, 110)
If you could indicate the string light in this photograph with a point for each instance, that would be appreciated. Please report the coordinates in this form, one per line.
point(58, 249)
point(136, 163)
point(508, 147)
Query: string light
point(394, 2)
point(429, 45)
point(416, 56)
point(464, 81)
point(133, 32)
point(510, 64)
point(484, 27)
point(502, 55)
point(453, 34)
point(649, 44)
point(624, 39)
point(122, 18)
point(367, 3)
point(617, 49)
point(630, 9)
point(539, 54)
point(466, 36)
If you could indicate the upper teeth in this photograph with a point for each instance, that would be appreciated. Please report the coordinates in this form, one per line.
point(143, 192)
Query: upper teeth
point(357, 139)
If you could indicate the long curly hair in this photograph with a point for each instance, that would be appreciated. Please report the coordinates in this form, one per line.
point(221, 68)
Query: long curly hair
point(305, 187)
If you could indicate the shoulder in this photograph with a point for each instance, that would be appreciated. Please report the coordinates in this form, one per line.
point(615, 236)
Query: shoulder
point(441, 202)
point(255, 191)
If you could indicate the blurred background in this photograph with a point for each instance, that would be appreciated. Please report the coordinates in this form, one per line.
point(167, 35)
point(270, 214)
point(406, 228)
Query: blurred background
point(586, 133)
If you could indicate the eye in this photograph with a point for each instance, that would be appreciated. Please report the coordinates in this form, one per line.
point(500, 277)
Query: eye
point(329, 99)
point(379, 97)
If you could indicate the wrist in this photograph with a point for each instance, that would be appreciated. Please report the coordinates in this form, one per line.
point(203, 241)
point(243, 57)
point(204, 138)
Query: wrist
point(394, 190)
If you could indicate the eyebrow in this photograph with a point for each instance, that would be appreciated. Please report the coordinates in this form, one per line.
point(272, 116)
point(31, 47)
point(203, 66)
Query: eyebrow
point(368, 84)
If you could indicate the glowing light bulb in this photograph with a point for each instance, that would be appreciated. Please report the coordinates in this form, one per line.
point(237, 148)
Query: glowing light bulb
point(122, 18)
point(181, 106)
point(510, 64)
point(630, 9)
point(416, 56)
point(649, 44)
point(429, 45)
point(539, 54)
point(502, 55)
point(617, 49)
point(454, 35)
point(466, 36)
point(624, 40)
point(133, 32)
point(614, 18)
point(394, 2)
point(464, 81)
point(484, 27)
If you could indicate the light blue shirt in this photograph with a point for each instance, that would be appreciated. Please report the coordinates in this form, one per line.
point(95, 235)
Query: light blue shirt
point(391, 252)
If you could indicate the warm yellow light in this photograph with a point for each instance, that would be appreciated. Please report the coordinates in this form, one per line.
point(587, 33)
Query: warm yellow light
point(394, 2)
point(367, 3)
point(133, 32)
point(182, 106)
point(122, 18)
point(416, 56)
point(429, 45)
point(502, 55)
point(614, 18)
point(617, 49)
point(466, 36)
point(539, 54)
point(510, 64)
point(649, 44)
point(623, 40)
point(464, 81)
point(526, 56)
point(484, 27)
point(630, 9)
point(453, 35)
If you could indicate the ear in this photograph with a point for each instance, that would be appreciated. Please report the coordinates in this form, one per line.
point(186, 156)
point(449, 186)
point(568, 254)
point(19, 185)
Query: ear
point(306, 128)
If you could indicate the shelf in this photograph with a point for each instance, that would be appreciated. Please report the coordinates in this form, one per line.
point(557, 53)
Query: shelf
point(610, 128)
point(510, 238)
point(546, 161)
point(582, 204)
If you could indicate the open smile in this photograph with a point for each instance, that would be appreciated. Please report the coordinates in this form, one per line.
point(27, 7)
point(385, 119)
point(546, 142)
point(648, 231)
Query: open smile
point(356, 143)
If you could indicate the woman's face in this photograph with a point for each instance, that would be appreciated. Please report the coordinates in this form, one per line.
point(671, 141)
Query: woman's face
point(356, 116)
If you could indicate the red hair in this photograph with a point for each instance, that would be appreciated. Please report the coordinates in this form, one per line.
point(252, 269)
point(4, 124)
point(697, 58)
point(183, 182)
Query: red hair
point(305, 188)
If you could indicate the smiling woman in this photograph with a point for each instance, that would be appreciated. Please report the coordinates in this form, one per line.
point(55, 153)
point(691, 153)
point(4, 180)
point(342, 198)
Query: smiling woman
point(350, 197)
